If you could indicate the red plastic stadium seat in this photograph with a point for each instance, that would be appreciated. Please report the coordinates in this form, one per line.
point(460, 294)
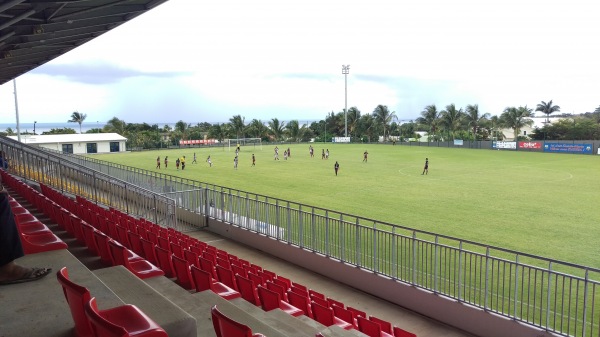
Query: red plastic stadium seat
point(126, 320)
point(385, 325)
point(77, 296)
point(148, 251)
point(326, 317)
point(226, 276)
point(183, 273)
point(370, 328)
point(402, 333)
point(247, 289)
point(204, 281)
point(270, 300)
point(141, 268)
point(43, 242)
point(357, 312)
point(301, 302)
point(344, 314)
point(165, 262)
point(227, 327)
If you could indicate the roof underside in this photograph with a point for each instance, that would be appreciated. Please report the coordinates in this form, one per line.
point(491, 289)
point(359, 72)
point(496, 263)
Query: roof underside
point(33, 32)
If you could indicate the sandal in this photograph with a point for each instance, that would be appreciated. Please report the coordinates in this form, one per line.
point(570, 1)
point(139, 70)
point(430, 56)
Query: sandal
point(31, 275)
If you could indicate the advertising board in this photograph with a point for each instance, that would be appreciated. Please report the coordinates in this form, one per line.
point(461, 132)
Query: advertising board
point(530, 145)
point(568, 148)
point(504, 145)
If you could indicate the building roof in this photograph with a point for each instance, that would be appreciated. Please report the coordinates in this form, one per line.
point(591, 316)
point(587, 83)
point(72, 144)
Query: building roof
point(70, 138)
point(33, 32)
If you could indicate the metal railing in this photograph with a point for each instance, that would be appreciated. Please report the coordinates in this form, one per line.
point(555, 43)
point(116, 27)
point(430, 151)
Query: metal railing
point(69, 177)
point(556, 296)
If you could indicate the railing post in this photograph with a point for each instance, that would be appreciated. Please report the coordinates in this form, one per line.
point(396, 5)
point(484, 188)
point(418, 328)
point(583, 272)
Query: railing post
point(247, 224)
point(277, 218)
point(206, 206)
point(267, 213)
point(516, 286)
point(548, 296)
point(312, 229)
point(327, 233)
point(585, 300)
point(156, 210)
point(394, 271)
point(288, 225)
point(358, 247)
point(460, 254)
point(258, 206)
point(487, 272)
point(414, 259)
point(341, 238)
point(374, 265)
point(95, 187)
point(435, 266)
point(300, 227)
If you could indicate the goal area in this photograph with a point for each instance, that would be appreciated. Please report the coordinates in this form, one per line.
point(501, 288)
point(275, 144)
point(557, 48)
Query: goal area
point(244, 142)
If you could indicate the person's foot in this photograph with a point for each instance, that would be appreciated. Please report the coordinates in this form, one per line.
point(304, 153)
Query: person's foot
point(12, 273)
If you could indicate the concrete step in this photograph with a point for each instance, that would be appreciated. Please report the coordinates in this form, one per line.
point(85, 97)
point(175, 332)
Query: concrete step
point(199, 305)
point(174, 320)
point(39, 308)
point(280, 320)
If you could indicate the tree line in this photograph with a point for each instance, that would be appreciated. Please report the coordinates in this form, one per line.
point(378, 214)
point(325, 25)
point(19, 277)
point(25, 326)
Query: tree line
point(440, 125)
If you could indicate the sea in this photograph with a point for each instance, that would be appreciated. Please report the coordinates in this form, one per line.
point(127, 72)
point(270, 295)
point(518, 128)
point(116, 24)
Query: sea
point(42, 127)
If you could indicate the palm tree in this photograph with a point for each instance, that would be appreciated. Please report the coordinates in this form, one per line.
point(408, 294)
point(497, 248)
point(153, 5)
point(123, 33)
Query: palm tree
point(116, 125)
point(77, 117)
point(430, 116)
point(238, 125)
point(257, 128)
point(182, 127)
point(474, 120)
point(367, 125)
point(276, 128)
point(353, 119)
point(517, 118)
point(219, 131)
point(383, 117)
point(293, 130)
point(451, 118)
point(547, 109)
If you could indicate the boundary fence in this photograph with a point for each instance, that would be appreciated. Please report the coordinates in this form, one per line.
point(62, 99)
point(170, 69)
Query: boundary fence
point(556, 296)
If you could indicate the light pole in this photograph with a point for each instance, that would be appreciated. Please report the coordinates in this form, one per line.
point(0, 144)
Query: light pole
point(34, 122)
point(346, 71)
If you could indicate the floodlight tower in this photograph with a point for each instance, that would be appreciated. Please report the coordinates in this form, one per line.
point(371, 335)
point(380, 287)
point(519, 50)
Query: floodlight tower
point(346, 71)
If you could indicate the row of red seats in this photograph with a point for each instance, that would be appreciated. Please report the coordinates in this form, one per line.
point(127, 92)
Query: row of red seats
point(35, 236)
point(109, 249)
point(195, 265)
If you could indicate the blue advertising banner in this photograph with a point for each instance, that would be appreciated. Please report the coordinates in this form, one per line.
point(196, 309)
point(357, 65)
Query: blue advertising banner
point(568, 148)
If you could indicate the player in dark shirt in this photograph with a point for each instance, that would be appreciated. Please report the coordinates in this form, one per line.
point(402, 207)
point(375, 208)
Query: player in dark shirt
point(426, 168)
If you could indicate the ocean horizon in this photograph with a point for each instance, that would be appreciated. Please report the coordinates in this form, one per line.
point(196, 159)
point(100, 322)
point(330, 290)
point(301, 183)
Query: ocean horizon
point(43, 127)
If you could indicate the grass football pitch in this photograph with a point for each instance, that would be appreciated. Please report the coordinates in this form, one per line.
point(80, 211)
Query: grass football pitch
point(536, 203)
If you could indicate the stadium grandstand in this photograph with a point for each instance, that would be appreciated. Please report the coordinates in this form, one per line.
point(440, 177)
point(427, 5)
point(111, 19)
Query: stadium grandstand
point(153, 255)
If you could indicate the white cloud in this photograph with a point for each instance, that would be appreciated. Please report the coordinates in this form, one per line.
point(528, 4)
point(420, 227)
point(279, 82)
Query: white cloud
point(213, 59)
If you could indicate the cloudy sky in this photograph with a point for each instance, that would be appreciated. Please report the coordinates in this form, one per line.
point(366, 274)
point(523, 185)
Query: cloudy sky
point(209, 60)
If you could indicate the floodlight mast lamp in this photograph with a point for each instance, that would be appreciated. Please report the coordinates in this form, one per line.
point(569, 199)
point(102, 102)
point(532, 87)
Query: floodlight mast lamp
point(345, 71)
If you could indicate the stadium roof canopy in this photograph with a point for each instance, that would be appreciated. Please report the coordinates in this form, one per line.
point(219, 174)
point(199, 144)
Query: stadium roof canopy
point(33, 32)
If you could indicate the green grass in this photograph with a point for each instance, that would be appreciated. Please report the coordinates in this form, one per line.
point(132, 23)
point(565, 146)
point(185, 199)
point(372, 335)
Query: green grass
point(537, 203)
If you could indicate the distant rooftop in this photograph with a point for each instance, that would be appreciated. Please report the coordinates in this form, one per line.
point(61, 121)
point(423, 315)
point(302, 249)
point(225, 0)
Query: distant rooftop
point(70, 138)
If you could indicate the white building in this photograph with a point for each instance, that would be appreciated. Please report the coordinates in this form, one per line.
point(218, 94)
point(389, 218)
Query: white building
point(78, 143)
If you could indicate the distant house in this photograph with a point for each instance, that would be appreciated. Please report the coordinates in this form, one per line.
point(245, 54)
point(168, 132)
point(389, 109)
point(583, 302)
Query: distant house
point(78, 143)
